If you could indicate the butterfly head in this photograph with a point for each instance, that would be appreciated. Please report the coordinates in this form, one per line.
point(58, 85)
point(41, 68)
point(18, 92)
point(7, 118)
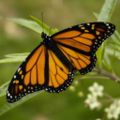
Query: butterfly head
point(44, 35)
point(46, 38)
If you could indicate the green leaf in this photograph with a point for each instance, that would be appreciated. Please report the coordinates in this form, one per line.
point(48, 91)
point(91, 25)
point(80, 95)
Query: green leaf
point(8, 106)
point(105, 15)
point(117, 34)
point(12, 58)
point(44, 26)
point(113, 50)
point(29, 24)
point(3, 89)
point(36, 25)
point(107, 62)
point(107, 10)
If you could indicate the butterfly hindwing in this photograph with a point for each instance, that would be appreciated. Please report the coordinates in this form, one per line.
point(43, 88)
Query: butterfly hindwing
point(83, 63)
point(60, 76)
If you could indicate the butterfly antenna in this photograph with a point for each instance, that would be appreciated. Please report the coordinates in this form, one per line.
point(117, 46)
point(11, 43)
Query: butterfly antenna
point(42, 22)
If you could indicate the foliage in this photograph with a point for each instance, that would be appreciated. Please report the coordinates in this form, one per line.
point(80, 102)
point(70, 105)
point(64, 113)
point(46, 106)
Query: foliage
point(106, 67)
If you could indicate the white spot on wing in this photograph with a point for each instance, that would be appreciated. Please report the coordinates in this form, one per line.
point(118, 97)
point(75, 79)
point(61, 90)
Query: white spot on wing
point(88, 24)
point(19, 69)
point(14, 77)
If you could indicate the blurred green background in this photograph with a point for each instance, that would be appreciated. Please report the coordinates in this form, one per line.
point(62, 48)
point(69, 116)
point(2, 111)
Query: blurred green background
point(16, 39)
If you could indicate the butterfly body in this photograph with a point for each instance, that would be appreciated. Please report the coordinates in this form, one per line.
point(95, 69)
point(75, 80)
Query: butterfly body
point(51, 65)
point(46, 39)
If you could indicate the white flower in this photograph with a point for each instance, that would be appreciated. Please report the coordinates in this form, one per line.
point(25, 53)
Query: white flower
point(92, 102)
point(113, 111)
point(96, 89)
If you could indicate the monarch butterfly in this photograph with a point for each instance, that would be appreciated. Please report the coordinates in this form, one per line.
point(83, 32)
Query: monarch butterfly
point(51, 65)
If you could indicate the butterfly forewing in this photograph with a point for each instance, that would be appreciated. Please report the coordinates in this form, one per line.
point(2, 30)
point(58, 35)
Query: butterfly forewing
point(29, 77)
point(80, 47)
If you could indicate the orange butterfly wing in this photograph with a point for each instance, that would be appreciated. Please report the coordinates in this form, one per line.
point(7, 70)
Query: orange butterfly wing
point(52, 68)
point(60, 76)
point(28, 78)
point(79, 43)
point(36, 74)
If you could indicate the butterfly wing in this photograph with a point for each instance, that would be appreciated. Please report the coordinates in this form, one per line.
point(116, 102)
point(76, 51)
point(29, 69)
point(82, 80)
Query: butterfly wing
point(42, 69)
point(60, 74)
point(30, 75)
point(79, 43)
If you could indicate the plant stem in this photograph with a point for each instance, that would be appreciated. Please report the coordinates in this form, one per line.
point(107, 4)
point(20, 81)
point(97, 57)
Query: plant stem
point(107, 74)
